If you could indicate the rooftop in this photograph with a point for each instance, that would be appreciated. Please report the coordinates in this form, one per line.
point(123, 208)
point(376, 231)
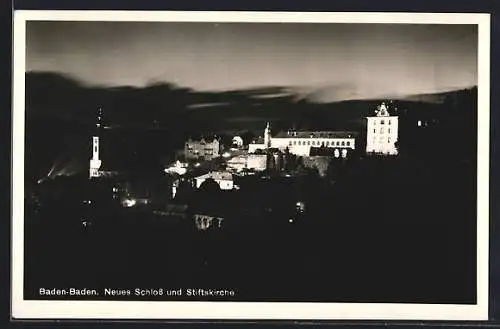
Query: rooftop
point(316, 134)
point(217, 175)
point(209, 139)
point(258, 140)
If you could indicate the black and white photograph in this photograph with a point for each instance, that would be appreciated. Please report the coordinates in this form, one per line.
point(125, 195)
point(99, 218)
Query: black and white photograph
point(250, 165)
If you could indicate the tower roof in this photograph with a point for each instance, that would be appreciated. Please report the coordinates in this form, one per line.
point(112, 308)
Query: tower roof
point(382, 110)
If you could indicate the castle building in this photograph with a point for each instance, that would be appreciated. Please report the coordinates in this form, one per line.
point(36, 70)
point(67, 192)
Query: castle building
point(204, 148)
point(256, 162)
point(382, 132)
point(301, 142)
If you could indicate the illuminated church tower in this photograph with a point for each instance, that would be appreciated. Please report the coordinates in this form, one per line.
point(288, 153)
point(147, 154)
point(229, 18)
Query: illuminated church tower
point(95, 162)
point(382, 132)
point(267, 136)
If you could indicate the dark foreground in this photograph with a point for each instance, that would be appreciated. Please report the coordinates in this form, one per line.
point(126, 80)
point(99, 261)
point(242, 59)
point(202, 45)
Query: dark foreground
point(406, 235)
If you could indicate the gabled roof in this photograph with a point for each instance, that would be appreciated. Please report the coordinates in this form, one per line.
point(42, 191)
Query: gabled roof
point(217, 175)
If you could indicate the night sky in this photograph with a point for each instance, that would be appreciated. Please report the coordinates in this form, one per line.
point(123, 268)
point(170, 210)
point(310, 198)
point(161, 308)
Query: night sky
point(360, 59)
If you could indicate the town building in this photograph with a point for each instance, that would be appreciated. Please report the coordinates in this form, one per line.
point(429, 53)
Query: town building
point(223, 179)
point(179, 168)
point(382, 132)
point(300, 142)
point(255, 162)
point(205, 148)
point(237, 142)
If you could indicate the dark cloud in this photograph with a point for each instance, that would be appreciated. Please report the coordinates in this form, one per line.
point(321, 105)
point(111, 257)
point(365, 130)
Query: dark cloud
point(372, 59)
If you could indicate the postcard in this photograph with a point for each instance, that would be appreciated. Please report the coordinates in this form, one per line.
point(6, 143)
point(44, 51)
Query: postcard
point(250, 165)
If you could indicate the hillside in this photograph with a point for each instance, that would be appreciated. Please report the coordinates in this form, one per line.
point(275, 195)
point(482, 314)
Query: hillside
point(153, 121)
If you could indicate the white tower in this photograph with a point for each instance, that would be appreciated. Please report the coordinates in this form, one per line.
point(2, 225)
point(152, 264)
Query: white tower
point(267, 136)
point(95, 162)
point(382, 132)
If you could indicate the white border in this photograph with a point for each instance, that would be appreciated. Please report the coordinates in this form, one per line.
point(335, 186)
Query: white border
point(22, 309)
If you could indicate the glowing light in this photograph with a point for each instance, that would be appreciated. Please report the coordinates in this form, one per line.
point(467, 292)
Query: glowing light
point(290, 220)
point(129, 203)
point(419, 123)
point(115, 189)
point(226, 154)
point(197, 164)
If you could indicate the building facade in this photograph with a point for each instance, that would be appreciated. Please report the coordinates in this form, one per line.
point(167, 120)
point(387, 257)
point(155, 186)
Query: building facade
point(204, 148)
point(223, 179)
point(382, 132)
point(300, 142)
point(255, 162)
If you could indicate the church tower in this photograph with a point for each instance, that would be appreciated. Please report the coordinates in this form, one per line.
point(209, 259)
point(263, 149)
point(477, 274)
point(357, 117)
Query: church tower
point(382, 132)
point(95, 162)
point(267, 136)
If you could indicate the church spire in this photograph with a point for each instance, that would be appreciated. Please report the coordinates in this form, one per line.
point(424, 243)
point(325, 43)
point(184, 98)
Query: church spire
point(267, 136)
point(95, 161)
